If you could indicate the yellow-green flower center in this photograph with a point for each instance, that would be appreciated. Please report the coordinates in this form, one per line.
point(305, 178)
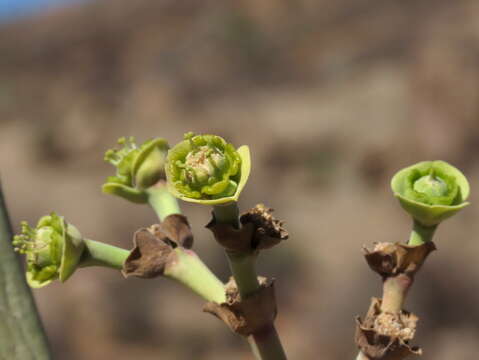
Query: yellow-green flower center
point(202, 164)
point(203, 167)
point(41, 251)
point(431, 185)
point(43, 248)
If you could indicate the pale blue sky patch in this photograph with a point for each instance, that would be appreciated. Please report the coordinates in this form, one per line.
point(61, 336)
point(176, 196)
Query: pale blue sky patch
point(15, 8)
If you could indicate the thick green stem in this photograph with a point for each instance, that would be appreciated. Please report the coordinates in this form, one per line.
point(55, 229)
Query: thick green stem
point(189, 270)
point(162, 201)
point(421, 234)
point(395, 289)
point(101, 254)
point(265, 344)
point(21, 332)
point(243, 270)
point(227, 214)
point(242, 265)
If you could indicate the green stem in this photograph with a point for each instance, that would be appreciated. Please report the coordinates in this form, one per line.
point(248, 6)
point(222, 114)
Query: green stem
point(101, 254)
point(421, 234)
point(21, 332)
point(265, 344)
point(395, 289)
point(243, 270)
point(227, 214)
point(242, 265)
point(161, 200)
point(189, 270)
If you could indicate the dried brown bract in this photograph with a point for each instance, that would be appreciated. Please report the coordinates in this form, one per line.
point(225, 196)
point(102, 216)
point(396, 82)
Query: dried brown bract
point(176, 230)
point(268, 230)
point(249, 315)
point(259, 231)
point(153, 247)
point(388, 259)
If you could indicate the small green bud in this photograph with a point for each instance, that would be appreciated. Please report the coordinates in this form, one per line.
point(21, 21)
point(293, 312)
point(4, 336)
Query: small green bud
point(53, 249)
point(206, 169)
point(431, 191)
point(138, 168)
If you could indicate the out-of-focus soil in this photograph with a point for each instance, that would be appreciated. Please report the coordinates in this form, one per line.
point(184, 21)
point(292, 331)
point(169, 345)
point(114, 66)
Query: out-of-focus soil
point(332, 97)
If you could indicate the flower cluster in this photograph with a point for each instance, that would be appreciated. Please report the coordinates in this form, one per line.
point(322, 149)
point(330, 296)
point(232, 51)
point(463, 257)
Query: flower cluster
point(206, 169)
point(138, 168)
point(53, 249)
point(431, 191)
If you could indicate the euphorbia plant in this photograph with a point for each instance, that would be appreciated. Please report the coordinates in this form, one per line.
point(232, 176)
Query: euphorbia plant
point(203, 169)
point(207, 170)
point(430, 192)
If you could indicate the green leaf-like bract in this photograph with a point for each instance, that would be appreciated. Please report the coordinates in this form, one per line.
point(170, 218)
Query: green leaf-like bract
point(206, 169)
point(431, 191)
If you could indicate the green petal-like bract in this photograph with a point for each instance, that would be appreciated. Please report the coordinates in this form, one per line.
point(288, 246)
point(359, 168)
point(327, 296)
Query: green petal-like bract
point(126, 192)
point(431, 191)
point(72, 251)
point(206, 169)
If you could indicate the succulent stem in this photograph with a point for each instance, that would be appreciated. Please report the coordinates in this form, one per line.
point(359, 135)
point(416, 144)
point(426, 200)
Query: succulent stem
point(227, 214)
point(265, 344)
point(189, 270)
point(100, 254)
point(420, 233)
point(161, 200)
point(395, 290)
point(21, 332)
point(243, 269)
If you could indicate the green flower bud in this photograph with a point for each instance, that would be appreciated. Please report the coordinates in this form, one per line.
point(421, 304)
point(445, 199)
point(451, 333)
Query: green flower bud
point(206, 169)
point(53, 250)
point(431, 191)
point(138, 168)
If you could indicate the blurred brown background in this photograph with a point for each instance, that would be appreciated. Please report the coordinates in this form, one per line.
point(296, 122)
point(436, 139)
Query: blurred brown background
point(332, 97)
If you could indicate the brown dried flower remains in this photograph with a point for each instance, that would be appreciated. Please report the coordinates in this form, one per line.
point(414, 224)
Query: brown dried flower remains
point(153, 247)
point(249, 315)
point(259, 231)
